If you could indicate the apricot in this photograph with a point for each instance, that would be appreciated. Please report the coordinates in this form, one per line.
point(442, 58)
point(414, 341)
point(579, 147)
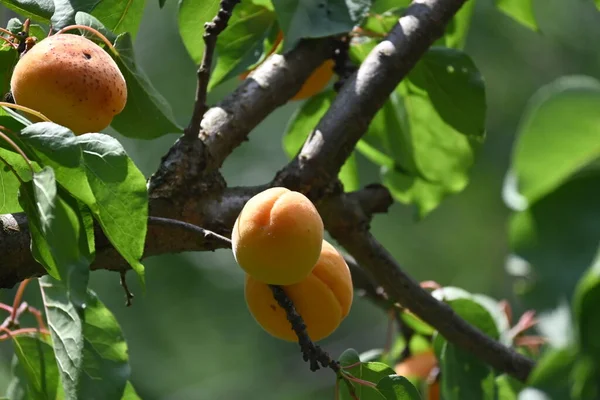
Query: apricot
point(72, 81)
point(417, 366)
point(316, 82)
point(322, 299)
point(277, 237)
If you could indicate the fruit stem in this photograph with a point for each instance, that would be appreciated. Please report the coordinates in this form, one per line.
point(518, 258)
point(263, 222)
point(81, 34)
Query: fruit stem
point(25, 109)
point(18, 298)
point(8, 33)
point(92, 30)
point(18, 150)
point(14, 46)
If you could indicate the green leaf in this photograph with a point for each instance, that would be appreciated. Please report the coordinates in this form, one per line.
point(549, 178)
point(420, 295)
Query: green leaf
point(554, 264)
point(349, 174)
point(519, 10)
point(464, 376)
point(557, 137)
point(9, 184)
point(314, 18)
point(89, 345)
point(508, 388)
point(417, 324)
point(552, 371)
point(585, 310)
point(120, 191)
point(458, 28)
point(147, 115)
point(241, 44)
point(66, 329)
point(302, 123)
point(105, 359)
point(8, 60)
point(120, 16)
point(116, 15)
point(382, 23)
point(36, 367)
point(57, 147)
point(130, 393)
point(395, 387)
point(431, 127)
point(15, 26)
point(349, 357)
point(470, 308)
point(36, 10)
point(192, 16)
point(59, 226)
point(367, 371)
point(82, 18)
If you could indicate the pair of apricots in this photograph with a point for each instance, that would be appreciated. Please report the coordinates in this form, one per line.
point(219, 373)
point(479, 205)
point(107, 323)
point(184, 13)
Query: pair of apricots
point(278, 240)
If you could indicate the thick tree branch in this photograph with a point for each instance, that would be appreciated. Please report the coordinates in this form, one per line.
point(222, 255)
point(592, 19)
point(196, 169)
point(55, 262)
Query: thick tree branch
point(365, 92)
point(350, 229)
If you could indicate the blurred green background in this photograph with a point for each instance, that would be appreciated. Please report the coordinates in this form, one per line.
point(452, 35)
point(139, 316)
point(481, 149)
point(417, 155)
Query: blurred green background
point(191, 337)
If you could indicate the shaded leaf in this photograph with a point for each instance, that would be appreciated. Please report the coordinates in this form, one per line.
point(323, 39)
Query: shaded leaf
point(458, 27)
point(312, 19)
point(15, 26)
point(556, 240)
point(147, 115)
point(8, 60)
point(585, 310)
point(519, 10)
point(557, 137)
point(192, 15)
point(9, 183)
point(120, 191)
point(36, 10)
point(36, 368)
point(241, 44)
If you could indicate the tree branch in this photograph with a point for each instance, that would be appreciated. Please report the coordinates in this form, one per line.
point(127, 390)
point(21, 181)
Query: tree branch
point(365, 92)
point(211, 33)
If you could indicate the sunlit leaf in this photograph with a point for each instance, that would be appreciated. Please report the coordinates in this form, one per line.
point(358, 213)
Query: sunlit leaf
point(36, 10)
point(120, 191)
point(36, 368)
point(519, 10)
point(192, 16)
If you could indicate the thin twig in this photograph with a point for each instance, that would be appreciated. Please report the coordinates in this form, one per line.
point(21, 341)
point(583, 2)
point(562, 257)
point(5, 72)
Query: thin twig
point(211, 32)
point(190, 227)
point(311, 352)
point(128, 295)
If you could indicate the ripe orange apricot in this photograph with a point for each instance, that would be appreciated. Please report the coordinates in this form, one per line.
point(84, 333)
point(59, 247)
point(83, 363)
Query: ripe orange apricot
point(277, 237)
point(317, 81)
point(417, 366)
point(72, 81)
point(322, 299)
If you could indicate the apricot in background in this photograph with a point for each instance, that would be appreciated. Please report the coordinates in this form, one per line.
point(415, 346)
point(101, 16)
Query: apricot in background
point(277, 237)
point(417, 366)
point(315, 83)
point(322, 299)
point(72, 81)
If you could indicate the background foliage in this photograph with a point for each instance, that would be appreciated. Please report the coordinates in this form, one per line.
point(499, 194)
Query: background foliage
point(181, 342)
